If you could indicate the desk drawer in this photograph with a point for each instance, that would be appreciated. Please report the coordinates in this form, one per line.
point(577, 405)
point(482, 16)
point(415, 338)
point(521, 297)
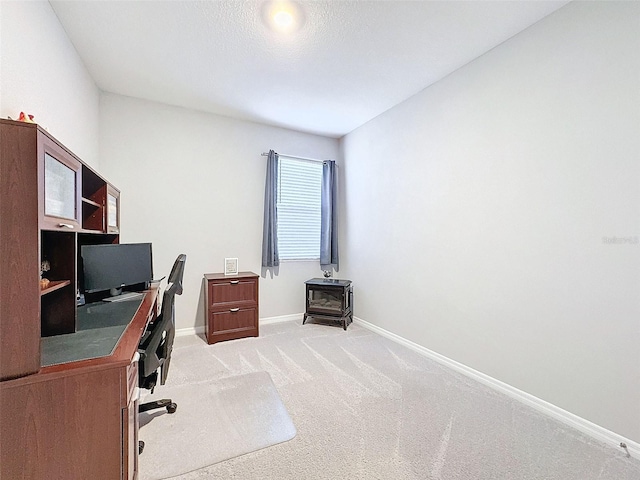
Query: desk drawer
point(233, 319)
point(132, 377)
point(233, 291)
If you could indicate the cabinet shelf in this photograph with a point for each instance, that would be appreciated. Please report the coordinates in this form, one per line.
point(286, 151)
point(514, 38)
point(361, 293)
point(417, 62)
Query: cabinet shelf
point(87, 201)
point(54, 285)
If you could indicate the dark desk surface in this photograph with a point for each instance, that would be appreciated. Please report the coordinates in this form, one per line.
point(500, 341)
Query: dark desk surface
point(99, 328)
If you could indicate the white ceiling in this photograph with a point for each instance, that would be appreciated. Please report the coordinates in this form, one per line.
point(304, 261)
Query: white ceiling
point(349, 61)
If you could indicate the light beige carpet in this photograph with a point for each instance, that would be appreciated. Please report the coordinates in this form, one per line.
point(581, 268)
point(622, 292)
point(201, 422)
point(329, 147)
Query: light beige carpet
point(367, 408)
point(215, 421)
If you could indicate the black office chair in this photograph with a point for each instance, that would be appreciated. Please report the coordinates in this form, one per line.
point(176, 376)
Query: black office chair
point(157, 342)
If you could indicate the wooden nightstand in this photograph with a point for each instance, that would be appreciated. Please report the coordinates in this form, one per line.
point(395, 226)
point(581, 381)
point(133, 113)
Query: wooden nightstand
point(232, 306)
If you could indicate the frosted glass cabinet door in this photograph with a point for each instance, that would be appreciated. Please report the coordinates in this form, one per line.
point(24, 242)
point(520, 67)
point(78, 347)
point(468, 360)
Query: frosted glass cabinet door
point(113, 209)
point(61, 189)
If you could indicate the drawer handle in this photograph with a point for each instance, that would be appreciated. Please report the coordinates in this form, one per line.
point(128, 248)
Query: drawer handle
point(234, 282)
point(233, 310)
point(65, 225)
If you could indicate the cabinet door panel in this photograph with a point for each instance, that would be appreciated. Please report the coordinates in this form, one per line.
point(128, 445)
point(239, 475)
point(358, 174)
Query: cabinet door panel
point(113, 209)
point(19, 256)
point(232, 291)
point(233, 320)
point(61, 187)
point(65, 427)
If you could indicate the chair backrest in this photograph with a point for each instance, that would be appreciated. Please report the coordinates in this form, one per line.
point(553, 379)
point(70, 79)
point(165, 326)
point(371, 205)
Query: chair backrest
point(156, 346)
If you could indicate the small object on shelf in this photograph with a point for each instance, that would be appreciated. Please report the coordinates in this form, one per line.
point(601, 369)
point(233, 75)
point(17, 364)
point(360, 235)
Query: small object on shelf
point(230, 266)
point(326, 273)
point(25, 117)
point(45, 266)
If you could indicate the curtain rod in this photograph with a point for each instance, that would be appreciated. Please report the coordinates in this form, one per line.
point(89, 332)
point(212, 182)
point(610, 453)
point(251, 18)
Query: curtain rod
point(266, 154)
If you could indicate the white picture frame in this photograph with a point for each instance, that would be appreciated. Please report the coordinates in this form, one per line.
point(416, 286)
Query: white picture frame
point(231, 266)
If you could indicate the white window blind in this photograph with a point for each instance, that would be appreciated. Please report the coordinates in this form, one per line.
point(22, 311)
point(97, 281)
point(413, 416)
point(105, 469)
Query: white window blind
point(298, 206)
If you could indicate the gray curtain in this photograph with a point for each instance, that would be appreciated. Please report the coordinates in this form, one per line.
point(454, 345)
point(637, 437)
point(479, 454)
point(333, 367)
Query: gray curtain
point(270, 257)
point(329, 217)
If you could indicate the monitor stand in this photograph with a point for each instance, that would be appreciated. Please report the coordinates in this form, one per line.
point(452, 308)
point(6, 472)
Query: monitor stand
point(118, 296)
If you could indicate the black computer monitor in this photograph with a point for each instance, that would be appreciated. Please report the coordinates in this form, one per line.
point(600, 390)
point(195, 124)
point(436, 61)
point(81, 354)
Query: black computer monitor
point(116, 266)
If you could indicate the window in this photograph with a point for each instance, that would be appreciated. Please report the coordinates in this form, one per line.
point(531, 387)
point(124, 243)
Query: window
point(298, 206)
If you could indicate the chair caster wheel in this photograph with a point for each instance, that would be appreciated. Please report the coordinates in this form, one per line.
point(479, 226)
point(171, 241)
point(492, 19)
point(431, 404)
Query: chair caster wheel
point(140, 446)
point(172, 407)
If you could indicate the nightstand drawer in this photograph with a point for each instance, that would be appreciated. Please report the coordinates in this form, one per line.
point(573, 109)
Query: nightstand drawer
point(233, 319)
point(232, 291)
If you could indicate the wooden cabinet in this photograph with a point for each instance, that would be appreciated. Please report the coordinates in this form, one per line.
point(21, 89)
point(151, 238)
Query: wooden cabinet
point(232, 306)
point(94, 201)
point(73, 420)
point(51, 204)
point(100, 204)
point(60, 426)
point(58, 297)
point(19, 254)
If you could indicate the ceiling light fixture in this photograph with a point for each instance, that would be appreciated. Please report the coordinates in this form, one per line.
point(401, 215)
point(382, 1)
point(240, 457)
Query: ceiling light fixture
point(282, 15)
point(283, 19)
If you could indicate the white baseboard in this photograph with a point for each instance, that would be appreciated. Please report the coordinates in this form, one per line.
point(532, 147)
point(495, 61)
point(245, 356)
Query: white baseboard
point(181, 332)
point(585, 426)
point(282, 318)
point(263, 321)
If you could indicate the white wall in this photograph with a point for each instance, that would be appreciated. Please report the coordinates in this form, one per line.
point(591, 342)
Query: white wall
point(193, 183)
point(476, 214)
point(42, 74)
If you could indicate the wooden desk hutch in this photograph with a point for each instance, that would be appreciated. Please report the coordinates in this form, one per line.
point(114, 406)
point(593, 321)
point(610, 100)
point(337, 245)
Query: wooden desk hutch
point(74, 420)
